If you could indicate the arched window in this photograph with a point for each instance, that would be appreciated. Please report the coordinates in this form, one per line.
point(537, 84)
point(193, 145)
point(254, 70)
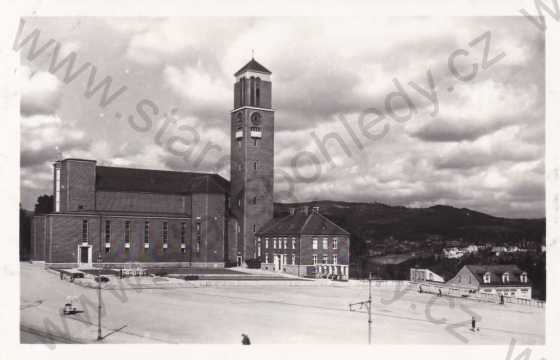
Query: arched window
point(252, 86)
point(505, 277)
point(523, 277)
point(243, 92)
point(487, 278)
point(258, 92)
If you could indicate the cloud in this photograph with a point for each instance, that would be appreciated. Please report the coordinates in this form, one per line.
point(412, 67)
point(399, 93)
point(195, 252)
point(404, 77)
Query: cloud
point(47, 138)
point(200, 91)
point(40, 92)
point(489, 150)
point(484, 149)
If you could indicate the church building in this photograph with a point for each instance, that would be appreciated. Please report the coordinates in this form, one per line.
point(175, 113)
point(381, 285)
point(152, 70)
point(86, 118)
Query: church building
point(114, 217)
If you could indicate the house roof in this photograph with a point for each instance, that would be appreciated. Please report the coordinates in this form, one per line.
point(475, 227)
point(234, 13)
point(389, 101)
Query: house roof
point(158, 181)
point(496, 272)
point(300, 223)
point(253, 65)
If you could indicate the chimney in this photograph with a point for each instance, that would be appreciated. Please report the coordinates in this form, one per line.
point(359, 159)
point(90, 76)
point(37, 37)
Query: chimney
point(292, 211)
point(315, 209)
point(305, 210)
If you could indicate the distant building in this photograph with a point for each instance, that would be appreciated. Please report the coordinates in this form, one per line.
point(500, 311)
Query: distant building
point(471, 249)
point(507, 280)
point(421, 275)
point(304, 243)
point(453, 253)
point(497, 250)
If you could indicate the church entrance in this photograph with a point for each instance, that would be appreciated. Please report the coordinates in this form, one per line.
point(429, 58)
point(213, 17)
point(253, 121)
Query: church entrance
point(84, 255)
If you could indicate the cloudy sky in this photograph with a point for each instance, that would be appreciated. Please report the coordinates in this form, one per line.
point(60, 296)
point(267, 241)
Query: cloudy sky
point(476, 143)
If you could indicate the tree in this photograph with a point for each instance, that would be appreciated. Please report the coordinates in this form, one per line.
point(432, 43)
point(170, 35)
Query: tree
point(24, 234)
point(44, 204)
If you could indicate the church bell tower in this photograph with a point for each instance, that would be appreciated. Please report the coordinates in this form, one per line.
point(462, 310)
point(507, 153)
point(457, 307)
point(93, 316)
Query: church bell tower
point(252, 158)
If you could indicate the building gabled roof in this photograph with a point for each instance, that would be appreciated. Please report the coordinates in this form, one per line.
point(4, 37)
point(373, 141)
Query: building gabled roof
point(158, 181)
point(253, 65)
point(300, 223)
point(496, 272)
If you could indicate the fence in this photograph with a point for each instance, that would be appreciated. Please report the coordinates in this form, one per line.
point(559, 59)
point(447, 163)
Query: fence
point(473, 294)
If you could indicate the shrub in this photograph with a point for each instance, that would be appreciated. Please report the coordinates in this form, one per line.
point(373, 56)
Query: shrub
point(229, 264)
point(253, 263)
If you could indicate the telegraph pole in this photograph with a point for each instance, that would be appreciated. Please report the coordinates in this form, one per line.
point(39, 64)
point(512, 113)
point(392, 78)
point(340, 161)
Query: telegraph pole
point(99, 337)
point(367, 304)
point(369, 311)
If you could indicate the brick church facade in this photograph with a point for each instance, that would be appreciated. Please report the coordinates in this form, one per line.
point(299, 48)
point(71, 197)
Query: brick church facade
point(111, 216)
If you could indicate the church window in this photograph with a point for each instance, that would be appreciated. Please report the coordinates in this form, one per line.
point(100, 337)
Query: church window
point(258, 92)
point(127, 231)
point(165, 234)
point(146, 234)
point(252, 89)
point(107, 231)
point(84, 231)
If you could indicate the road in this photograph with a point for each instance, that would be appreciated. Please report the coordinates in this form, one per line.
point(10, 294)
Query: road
point(269, 314)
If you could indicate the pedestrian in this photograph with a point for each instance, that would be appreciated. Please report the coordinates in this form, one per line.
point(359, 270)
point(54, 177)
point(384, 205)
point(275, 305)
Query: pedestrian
point(501, 299)
point(473, 324)
point(439, 292)
point(245, 339)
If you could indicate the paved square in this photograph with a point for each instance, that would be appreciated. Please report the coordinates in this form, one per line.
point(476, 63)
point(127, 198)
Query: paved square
point(269, 314)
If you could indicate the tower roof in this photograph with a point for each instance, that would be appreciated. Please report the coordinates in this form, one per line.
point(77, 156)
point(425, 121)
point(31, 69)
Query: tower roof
point(253, 65)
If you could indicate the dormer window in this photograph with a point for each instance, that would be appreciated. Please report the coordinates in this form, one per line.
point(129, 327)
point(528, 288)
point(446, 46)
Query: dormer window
point(487, 278)
point(523, 277)
point(505, 277)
